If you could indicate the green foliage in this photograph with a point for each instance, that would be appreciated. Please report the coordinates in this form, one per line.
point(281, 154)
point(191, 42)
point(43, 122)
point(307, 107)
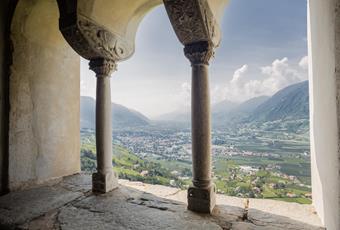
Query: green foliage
point(130, 166)
point(88, 164)
point(300, 200)
point(231, 180)
point(228, 176)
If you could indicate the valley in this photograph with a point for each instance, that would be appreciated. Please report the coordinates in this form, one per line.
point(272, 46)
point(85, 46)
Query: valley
point(271, 165)
point(260, 147)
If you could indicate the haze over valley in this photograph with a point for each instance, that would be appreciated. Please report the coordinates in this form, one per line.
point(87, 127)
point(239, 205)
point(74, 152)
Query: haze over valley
point(290, 103)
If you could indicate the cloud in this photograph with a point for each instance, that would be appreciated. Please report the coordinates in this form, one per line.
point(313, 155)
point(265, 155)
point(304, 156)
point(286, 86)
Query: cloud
point(304, 63)
point(235, 89)
point(272, 78)
point(238, 74)
point(279, 75)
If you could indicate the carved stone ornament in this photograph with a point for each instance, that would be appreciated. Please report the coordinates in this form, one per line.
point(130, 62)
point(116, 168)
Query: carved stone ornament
point(92, 41)
point(102, 67)
point(193, 21)
point(199, 52)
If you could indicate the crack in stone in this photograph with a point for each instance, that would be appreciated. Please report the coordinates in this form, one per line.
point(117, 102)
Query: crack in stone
point(158, 207)
point(224, 226)
point(6, 208)
point(174, 193)
point(144, 202)
point(51, 215)
point(88, 209)
point(168, 202)
point(268, 223)
point(57, 224)
point(72, 203)
point(245, 215)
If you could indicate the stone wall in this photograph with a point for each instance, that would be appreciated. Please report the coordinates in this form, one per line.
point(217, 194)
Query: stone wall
point(4, 60)
point(324, 61)
point(44, 98)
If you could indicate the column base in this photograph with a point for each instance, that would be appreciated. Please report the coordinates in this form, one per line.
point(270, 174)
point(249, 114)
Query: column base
point(103, 183)
point(201, 200)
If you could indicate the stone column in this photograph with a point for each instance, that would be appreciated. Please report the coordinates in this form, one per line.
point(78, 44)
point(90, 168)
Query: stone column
point(201, 195)
point(104, 180)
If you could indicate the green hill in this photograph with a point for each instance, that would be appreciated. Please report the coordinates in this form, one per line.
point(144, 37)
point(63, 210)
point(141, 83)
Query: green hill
point(127, 164)
point(290, 103)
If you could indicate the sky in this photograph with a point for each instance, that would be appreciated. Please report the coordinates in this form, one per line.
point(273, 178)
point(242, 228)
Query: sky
point(263, 49)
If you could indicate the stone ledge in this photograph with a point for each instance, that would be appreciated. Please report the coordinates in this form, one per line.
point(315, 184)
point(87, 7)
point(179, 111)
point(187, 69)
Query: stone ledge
point(294, 211)
point(70, 204)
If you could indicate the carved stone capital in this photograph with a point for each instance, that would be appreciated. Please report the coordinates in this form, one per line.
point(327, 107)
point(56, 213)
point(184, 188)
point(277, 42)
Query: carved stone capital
point(92, 41)
point(102, 67)
point(199, 52)
point(193, 21)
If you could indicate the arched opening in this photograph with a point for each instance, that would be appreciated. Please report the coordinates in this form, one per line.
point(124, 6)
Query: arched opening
point(261, 110)
point(132, 89)
point(144, 83)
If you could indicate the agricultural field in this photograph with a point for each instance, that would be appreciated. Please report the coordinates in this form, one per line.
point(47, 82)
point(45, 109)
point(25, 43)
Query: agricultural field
point(276, 176)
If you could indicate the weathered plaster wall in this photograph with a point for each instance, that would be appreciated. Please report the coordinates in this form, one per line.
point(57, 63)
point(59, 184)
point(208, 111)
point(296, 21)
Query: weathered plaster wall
point(44, 97)
point(324, 62)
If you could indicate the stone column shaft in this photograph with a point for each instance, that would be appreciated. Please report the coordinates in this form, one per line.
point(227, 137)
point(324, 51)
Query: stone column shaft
point(201, 196)
point(103, 125)
point(201, 131)
point(104, 180)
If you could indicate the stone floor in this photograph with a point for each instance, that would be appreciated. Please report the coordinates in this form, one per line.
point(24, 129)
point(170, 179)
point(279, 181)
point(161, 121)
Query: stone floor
point(70, 204)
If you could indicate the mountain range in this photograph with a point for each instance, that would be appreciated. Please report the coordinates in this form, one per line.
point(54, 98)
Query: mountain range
point(121, 116)
point(235, 113)
point(290, 103)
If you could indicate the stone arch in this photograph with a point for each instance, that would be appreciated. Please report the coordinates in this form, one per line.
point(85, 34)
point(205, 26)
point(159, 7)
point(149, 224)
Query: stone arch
point(44, 97)
point(103, 31)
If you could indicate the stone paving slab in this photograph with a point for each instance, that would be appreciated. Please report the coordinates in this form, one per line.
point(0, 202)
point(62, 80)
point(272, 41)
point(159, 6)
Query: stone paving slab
point(19, 207)
point(126, 209)
point(70, 204)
